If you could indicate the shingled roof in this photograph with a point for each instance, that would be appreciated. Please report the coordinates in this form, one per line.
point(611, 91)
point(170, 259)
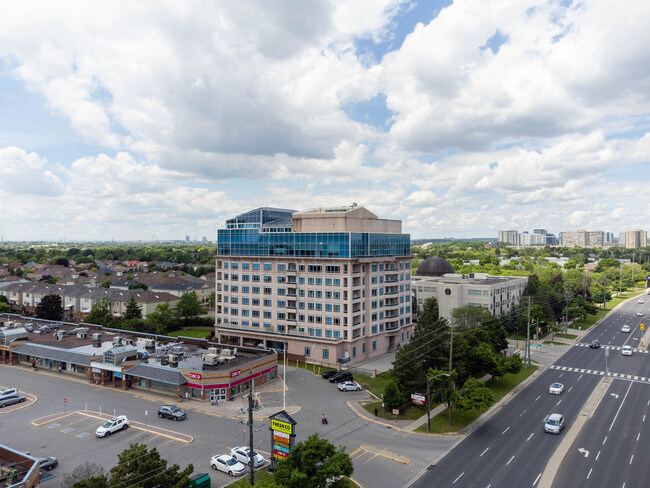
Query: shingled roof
point(157, 373)
point(54, 353)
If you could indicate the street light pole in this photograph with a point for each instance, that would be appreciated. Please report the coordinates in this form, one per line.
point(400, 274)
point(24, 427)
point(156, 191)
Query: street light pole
point(429, 397)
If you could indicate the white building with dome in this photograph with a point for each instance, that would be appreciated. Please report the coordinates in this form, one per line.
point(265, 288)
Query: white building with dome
point(435, 277)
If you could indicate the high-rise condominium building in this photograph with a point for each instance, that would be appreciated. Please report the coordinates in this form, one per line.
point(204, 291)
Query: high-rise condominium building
point(635, 238)
point(510, 236)
point(331, 283)
point(582, 238)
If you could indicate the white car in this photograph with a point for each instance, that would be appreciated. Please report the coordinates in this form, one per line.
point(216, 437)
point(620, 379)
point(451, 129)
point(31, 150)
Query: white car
point(241, 455)
point(112, 425)
point(556, 388)
point(626, 328)
point(639, 313)
point(554, 423)
point(227, 464)
point(626, 350)
point(349, 386)
point(640, 300)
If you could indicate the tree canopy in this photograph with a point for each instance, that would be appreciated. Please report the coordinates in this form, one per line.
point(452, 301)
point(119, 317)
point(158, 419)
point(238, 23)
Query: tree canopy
point(50, 308)
point(314, 463)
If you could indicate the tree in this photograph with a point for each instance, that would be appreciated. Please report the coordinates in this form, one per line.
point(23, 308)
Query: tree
point(5, 308)
point(106, 284)
point(100, 313)
point(475, 396)
point(188, 307)
point(141, 468)
point(50, 308)
point(212, 300)
point(469, 316)
point(393, 395)
point(314, 463)
point(82, 472)
point(443, 382)
point(138, 286)
point(133, 310)
point(162, 319)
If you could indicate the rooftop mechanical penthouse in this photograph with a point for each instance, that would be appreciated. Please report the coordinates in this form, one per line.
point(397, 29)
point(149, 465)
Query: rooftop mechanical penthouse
point(333, 284)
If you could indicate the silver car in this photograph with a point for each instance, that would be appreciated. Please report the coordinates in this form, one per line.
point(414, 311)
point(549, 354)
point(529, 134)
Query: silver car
point(11, 399)
point(554, 423)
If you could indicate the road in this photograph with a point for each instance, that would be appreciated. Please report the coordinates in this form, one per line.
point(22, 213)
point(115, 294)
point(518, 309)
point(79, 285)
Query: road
point(511, 447)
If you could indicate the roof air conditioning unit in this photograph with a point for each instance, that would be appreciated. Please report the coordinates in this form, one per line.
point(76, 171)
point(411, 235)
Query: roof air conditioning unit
point(97, 337)
point(117, 341)
point(149, 343)
point(173, 359)
point(213, 350)
point(81, 335)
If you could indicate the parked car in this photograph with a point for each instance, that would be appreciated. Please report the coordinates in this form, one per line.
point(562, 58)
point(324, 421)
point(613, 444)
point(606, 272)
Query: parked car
point(11, 399)
point(48, 463)
point(8, 391)
point(625, 328)
point(554, 423)
point(556, 388)
point(227, 464)
point(626, 350)
point(341, 376)
point(241, 454)
point(328, 374)
point(112, 425)
point(594, 345)
point(349, 386)
point(172, 412)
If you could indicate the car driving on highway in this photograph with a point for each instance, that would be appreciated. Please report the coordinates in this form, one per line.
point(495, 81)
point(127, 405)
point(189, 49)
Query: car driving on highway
point(625, 328)
point(554, 423)
point(556, 388)
point(594, 345)
point(626, 350)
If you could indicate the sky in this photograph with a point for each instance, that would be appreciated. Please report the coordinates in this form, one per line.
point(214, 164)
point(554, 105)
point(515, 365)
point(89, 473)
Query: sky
point(161, 119)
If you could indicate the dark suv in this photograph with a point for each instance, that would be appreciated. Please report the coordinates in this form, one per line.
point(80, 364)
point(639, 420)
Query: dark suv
point(172, 412)
point(594, 345)
point(341, 376)
point(328, 374)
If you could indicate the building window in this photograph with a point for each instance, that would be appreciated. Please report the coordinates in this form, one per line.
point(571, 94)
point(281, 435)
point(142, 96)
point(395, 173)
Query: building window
point(326, 353)
point(256, 266)
point(363, 347)
point(374, 345)
point(354, 351)
point(268, 266)
point(307, 351)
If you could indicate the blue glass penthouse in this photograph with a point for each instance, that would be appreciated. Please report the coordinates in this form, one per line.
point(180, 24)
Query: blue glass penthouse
point(268, 232)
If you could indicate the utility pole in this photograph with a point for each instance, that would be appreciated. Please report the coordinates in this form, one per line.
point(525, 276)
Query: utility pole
point(451, 347)
point(604, 293)
point(251, 455)
point(620, 280)
point(528, 336)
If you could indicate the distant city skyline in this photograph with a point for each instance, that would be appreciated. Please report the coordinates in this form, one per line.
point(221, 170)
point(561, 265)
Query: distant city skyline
point(459, 118)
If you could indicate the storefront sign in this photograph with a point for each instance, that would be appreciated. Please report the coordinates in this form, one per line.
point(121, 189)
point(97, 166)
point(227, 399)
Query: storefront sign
point(195, 376)
point(281, 427)
point(117, 375)
point(97, 370)
point(235, 373)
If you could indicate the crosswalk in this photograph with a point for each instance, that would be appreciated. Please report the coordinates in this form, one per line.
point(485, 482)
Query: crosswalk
point(613, 348)
point(600, 373)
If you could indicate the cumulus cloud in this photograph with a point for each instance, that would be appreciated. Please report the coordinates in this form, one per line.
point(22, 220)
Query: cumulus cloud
point(504, 113)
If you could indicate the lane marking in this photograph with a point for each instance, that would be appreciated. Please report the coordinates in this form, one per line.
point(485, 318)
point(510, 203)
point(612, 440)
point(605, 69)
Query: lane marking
point(589, 473)
point(507, 428)
point(461, 475)
point(637, 436)
point(570, 389)
point(510, 460)
point(531, 435)
point(538, 398)
point(604, 440)
point(597, 456)
point(620, 406)
point(522, 413)
point(580, 375)
point(486, 450)
point(558, 403)
point(632, 459)
point(537, 479)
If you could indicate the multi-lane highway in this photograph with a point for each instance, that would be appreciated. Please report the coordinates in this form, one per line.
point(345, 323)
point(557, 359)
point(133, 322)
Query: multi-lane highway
point(512, 449)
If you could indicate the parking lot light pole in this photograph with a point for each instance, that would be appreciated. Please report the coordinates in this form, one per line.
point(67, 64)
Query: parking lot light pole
point(429, 397)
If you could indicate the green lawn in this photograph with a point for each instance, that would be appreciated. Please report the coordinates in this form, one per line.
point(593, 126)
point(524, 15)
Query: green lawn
point(261, 476)
point(411, 412)
point(462, 418)
point(566, 336)
point(555, 343)
point(198, 333)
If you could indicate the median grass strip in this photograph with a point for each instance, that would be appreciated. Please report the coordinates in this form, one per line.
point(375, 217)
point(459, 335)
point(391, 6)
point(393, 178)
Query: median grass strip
point(410, 412)
point(462, 418)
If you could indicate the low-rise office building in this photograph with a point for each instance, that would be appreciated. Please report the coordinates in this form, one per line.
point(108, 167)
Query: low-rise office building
point(435, 278)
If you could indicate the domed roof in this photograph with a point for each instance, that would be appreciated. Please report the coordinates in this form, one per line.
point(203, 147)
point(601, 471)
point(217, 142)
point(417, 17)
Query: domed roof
point(434, 266)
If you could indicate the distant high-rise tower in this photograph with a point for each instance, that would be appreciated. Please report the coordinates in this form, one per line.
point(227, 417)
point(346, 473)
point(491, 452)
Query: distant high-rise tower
point(636, 238)
point(510, 236)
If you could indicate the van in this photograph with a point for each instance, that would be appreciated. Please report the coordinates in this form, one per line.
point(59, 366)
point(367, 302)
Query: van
point(8, 391)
